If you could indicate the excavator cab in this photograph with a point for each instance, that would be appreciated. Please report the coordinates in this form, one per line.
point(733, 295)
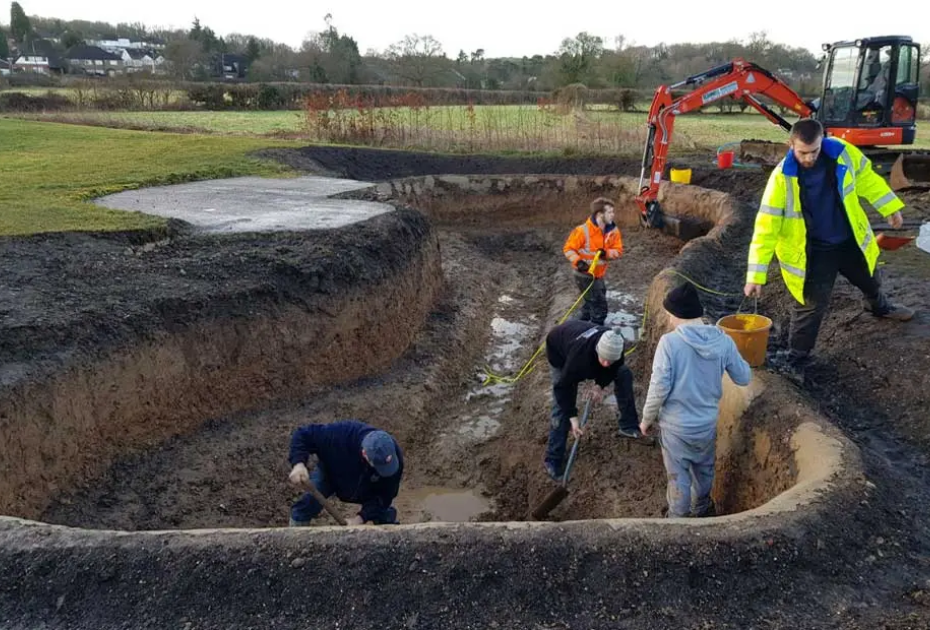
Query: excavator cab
point(870, 90)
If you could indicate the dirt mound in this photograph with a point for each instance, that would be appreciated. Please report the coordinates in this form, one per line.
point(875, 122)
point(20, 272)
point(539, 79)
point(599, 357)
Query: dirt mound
point(377, 165)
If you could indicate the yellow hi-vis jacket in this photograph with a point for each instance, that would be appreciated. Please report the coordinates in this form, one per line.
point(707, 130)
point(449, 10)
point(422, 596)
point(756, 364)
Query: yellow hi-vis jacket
point(780, 228)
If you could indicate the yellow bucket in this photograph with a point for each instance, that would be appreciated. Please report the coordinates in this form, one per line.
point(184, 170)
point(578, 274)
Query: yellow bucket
point(751, 334)
point(680, 175)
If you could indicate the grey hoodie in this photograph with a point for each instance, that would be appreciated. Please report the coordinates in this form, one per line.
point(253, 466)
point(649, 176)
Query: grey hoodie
point(687, 379)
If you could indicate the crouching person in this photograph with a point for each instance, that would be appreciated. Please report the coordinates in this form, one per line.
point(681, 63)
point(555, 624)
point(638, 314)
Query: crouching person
point(684, 396)
point(577, 352)
point(355, 461)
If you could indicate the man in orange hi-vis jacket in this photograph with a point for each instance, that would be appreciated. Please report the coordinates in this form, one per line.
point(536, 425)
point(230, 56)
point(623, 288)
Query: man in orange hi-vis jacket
point(597, 233)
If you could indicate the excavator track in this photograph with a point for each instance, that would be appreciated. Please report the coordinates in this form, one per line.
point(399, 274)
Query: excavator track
point(904, 168)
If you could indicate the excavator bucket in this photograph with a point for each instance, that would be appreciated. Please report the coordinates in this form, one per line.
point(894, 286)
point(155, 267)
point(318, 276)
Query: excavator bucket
point(910, 171)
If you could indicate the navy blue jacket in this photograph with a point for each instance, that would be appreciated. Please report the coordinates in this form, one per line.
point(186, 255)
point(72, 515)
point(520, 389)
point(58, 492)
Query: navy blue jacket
point(821, 202)
point(338, 447)
point(571, 347)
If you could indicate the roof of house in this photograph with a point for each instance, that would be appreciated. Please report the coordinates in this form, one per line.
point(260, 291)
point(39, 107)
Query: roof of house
point(233, 58)
point(41, 48)
point(138, 53)
point(90, 52)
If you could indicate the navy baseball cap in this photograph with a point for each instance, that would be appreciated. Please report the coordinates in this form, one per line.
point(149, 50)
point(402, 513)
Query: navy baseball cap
point(379, 447)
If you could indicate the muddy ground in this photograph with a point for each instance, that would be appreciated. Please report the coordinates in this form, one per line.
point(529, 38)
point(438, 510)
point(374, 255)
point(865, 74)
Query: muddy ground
point(484, 452)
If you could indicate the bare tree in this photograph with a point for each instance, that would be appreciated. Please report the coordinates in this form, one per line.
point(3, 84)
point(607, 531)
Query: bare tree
point(417, 59)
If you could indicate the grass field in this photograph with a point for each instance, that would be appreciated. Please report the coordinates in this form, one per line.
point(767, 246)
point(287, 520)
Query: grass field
point(453, 128)
point(48, 172)
point(459, 129)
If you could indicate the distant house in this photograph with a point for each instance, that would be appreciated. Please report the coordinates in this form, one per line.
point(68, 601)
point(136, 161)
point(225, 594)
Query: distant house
point(123, 43)
point(143, 60)
point(93, 60)
point(231, 66)
point(39, 57)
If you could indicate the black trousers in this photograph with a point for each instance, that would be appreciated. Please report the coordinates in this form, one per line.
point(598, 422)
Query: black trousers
point(560, 424)
point(823, 265)
point(595, 301)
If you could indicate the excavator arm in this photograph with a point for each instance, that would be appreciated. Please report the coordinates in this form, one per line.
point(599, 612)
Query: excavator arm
point(737, 79)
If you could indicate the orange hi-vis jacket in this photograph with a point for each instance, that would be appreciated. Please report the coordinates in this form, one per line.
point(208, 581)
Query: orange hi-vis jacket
point(586, 239)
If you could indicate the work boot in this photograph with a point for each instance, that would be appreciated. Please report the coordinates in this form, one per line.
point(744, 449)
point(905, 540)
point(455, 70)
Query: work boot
point(711, 510)
point(789, 366)
point(637, 436)
point(896, 312)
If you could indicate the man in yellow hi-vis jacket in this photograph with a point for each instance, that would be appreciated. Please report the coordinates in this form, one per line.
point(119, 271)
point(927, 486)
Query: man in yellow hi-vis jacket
point(811, 219)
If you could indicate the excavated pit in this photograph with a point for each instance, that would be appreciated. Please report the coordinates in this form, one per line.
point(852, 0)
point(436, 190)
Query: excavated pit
point(179, 418)
point(172, 435)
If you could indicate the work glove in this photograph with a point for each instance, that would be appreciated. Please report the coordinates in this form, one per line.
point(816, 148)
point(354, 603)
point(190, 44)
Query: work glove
point(582, 266)
point(603, 253)
point(299, 476)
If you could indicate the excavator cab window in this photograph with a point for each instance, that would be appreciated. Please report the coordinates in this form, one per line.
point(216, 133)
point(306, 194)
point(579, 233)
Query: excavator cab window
point(839, 84)
point(907, 87)
point(875, 87)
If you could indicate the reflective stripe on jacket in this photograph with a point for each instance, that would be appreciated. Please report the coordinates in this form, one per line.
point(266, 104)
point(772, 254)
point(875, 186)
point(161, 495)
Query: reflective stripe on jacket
point(584, 241)
point(780, 228)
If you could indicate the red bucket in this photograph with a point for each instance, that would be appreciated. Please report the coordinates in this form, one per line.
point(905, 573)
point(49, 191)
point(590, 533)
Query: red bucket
point(725, 159)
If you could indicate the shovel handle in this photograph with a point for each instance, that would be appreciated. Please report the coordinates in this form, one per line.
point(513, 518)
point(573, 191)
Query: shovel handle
point(571, 457)
point(312, 489)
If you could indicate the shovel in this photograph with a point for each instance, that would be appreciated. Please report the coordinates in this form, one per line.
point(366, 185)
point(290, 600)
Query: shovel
point(558, 495)
point(326, 504)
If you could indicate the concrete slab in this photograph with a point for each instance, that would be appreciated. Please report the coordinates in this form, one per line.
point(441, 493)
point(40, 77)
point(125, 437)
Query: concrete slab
point(252, 204)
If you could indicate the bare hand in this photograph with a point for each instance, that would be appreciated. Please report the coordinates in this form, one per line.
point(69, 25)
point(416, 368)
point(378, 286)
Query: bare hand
point(299, 476)
point(576, 430)
point(355, 520)
point(595, 393)
point(896, 220)
point(752, 290)
point(644, 428)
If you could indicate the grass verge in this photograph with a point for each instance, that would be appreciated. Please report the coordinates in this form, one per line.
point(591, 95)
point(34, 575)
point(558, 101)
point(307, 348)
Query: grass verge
point(49, 173)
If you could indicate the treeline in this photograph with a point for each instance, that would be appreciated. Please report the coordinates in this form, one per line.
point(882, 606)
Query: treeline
point(333, 57)
point(329, 56)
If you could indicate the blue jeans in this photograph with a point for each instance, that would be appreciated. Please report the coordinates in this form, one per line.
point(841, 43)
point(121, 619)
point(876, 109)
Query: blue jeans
point(306, 508)
point(689, 468)
point(559, 424)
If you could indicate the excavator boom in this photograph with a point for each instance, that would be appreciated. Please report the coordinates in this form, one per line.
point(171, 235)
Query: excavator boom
point(858, 107)
point(738, 79)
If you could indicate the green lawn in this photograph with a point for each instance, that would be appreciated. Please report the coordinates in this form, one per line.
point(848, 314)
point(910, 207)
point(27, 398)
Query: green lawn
point(458, 129)
point(49, 172)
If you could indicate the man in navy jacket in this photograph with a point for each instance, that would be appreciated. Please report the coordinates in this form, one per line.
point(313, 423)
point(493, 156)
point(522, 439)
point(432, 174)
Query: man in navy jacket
point(355, 461)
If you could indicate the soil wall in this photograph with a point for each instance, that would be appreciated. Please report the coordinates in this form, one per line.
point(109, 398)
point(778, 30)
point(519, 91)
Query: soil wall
point(60, 430)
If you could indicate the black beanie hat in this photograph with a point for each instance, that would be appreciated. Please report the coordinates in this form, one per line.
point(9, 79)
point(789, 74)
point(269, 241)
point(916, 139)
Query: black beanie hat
point(683, 302)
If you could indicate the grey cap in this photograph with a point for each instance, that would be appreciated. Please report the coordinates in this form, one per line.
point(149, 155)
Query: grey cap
point(610, 346)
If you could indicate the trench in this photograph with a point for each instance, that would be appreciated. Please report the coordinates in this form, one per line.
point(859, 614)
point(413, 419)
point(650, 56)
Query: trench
point(204, 443)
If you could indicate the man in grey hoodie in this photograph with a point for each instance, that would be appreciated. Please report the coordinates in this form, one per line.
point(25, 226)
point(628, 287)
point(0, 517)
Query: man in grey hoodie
point(684, 396)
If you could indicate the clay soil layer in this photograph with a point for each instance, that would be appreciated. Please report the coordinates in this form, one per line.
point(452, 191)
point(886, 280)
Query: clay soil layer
point(287, 329)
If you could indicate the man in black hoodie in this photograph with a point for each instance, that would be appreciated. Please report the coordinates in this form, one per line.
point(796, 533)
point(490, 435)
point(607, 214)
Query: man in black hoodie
point(578, 351)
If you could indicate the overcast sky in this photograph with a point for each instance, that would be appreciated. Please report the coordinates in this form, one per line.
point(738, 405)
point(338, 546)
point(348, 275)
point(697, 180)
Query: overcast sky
point(506, 27)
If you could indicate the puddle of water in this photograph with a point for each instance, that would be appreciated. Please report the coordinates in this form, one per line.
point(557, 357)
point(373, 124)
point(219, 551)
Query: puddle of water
point(625, 312)
point(482, 427)
point(445, 504)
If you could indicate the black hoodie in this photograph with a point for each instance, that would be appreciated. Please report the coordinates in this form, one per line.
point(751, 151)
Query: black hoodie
point(572, 348)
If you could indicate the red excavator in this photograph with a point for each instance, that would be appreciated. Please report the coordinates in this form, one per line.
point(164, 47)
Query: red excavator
point(858, 103)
